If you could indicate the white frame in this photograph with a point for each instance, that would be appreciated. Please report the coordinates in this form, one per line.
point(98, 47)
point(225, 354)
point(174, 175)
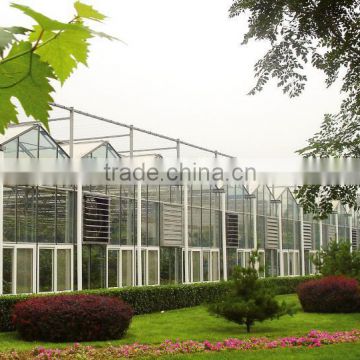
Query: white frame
point(15, 248)
point(55, 248)
point(147, 249)
point(191, 265)
point(260, 251)
point(293, 252)
point(120, 249)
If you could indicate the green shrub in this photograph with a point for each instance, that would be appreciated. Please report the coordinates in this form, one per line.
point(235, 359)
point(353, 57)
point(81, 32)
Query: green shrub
point(249, 301)
point(148, 299)
point(338, 259)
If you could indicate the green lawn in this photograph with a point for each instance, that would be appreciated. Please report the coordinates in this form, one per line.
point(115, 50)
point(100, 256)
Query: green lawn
point(330, 352)
point(197, 324)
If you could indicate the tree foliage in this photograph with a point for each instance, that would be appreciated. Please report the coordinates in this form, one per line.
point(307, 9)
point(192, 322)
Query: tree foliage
point(31, 58)
point(323, 34)
point(249, 301)
point(337, 259)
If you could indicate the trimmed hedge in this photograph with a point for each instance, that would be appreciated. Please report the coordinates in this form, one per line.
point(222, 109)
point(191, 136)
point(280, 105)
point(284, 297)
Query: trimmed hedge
point(332, 294)
point(148, 299)
point(72, 318)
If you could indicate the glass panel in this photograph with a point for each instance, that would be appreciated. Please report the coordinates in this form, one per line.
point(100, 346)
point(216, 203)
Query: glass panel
point(291, 263)
point(286, 264)
point(46, 269)
point(153, 224)
point(24, 271)
point(195, 227)
point(205, 228)
point(26, 202)
point(115, 220)
point(47, 147)
point(153, 267)
point(45, 230)
point(94, 264)
point(231, 260)
point(28, 144)
point(143, 265)
point(10, 149)
point(196, 266)
point(113, 264)
point(297, 263)
point(99, 153)
point(206, 265)
point(261, 264)
point(127, 221)
point(63, 269)
point(64, 217)
point(247, 259)
point(8, 256)
point(215, 266)
point(170, 265)
point(127, 268)
point(9, 214)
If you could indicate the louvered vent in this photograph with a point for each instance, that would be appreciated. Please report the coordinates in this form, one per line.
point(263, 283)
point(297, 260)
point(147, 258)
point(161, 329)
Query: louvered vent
point(307, 228)
point(172, 225)
point(355, 239)
point(232, 229)
point(96, 219)
point(272, 233)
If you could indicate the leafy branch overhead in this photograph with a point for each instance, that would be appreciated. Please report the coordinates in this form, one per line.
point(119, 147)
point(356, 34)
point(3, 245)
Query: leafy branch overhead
point(31, 58)
point(324, 34)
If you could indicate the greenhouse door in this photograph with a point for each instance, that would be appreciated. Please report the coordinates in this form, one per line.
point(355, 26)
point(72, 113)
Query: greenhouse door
point(94, 266)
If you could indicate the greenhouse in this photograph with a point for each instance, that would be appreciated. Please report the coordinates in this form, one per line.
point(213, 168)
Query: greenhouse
point(60, 239)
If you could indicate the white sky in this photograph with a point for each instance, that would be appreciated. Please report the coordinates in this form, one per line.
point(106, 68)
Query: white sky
point(185, 74)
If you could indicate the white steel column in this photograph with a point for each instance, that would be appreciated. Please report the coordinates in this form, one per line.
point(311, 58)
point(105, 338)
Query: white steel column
point(223, 234)
point(1, 218)
point(186, 234)
point(350, 217)
point(79, 229)
point(320, 235)
point(302, 249)
point(71, 138)
point(138, 234)
point(253, 207)
point(337, 227)
point(281, 257)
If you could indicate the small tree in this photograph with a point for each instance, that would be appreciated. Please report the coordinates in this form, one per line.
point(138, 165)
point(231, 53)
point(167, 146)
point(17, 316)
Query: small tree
point(248, 300)
point(337, 259)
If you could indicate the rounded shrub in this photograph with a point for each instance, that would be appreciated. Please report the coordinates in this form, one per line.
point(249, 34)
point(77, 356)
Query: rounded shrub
point(332, 294)
point(72, 318)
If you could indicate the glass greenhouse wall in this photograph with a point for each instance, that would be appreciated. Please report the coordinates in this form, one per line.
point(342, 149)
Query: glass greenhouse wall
point(149, 235)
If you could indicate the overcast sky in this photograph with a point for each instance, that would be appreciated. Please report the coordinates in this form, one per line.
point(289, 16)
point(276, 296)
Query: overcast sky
point(184, 73)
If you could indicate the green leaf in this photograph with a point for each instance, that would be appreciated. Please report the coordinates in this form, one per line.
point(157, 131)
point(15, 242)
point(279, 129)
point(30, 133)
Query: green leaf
point(106, 36)
point(45, 22)
point(6, 38)
point(7, 35)
point(64, 50)
point(27, 79)
point(88, 12)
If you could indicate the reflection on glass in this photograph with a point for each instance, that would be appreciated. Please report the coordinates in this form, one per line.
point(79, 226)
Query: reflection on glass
point(63, 269)
point(215, 266)
point(196, 266)
point(46, 263)
point(24, 271)
point(206, 265)
point(153, 263)
point(8, 258)
point(127, 267)
point(113, 261)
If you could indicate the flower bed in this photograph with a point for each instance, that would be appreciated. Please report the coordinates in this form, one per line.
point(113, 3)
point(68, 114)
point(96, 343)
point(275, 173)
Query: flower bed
point(313, 339)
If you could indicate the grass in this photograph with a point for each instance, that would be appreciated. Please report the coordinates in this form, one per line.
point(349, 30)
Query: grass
point(197, 324)
point(331, 352)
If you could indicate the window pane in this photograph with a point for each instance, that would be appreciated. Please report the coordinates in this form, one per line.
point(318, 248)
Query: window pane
point(28, 144)
point(153, 223)
point(26, 204)
point(63, 269)
point(47, 147)
point(46, 263)
point(196, 266)
point(8, 256)
point(113, 261)
point(24, 268)
point(10, 149)
point(127, 267)
point(153, 267)
point(286, 265)
point(206, 265)
point(9, 216)
point(45, 232)
point(215, 266)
